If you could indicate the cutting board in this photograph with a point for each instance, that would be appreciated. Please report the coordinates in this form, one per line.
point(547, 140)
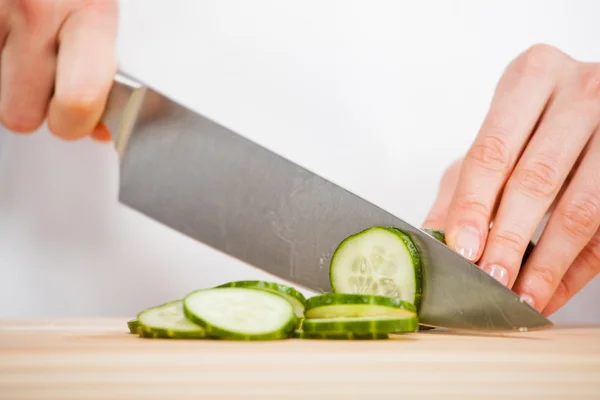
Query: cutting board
point(98, 359)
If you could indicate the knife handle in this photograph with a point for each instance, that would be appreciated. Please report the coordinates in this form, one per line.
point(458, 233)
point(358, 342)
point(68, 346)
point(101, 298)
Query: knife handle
point(125, 101)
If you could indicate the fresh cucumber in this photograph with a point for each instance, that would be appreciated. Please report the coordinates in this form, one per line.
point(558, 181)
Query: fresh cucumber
point(379, 260)
point(241, 313)
point(133, 326)
point(168, 321)
point(333, 305)
point(437, 234)
point(289, 293)
point(300, 334)
point(362, 325)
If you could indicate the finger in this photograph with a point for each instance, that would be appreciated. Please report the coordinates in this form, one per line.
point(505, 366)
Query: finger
point(28, 66)
point(437, 214)
point(5, 8)
point(570, 227)
point(519, 100)
point(86, 67)
point(585, 268)
point(101, 133)
point(535, 184)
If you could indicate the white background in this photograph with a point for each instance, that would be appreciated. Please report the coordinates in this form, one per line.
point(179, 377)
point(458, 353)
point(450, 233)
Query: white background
point(378, 96)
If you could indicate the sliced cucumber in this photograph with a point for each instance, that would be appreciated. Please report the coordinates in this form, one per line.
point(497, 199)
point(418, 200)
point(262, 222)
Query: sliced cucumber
point(437, 234)
point(133, 326)
point(333, 305)
point(300, 334)
point(241, 313)
point(168, 321)
point(289, 293)
point(379, 260)
point(362, 325)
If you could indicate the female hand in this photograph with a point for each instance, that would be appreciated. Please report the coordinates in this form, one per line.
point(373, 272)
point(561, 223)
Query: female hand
point(538, 152)
point(58, 61)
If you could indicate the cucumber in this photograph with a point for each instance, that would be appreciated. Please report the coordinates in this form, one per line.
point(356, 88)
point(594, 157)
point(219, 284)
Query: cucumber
point(300, 334)
point(289, 293)
point(168, 321)
point(237, 313)
point(133, 326)
point(437, 234)
point(333, 305)
point(379, 260)
point(362, 325)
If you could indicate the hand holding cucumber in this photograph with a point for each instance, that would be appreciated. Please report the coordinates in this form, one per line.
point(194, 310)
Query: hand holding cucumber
point(538, 151)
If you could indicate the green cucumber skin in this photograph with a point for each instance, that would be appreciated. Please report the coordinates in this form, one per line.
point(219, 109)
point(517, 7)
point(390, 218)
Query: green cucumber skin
point(361, 325)
point(133, 326)
point(416, 257)
point(154, 333)
point(329, 299)
point(437, 234)
point(276, 288)
point(213, 331)
point(151, 331)
point(300, 334)
point(412, 249)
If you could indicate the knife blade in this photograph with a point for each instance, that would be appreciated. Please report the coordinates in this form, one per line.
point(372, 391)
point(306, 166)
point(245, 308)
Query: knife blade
point(226, 191)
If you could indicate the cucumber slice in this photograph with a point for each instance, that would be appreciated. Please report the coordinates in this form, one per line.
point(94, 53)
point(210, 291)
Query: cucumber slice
point(437, 234)
point(289, 293)
point(133, 326)
point(379, 260)
point(362, 325)
point(168, 321)
point(241, 313)
point(334, 305)
point(300, 334)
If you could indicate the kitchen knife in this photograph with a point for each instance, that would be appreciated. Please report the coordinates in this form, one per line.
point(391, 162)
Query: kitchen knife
point(220, 188)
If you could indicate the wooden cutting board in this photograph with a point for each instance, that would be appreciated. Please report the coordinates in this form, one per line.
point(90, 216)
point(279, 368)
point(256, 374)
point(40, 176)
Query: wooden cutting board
point(98, 359)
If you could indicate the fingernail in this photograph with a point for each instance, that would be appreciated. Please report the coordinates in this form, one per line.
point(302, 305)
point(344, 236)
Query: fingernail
point(497, 272)
point(528, 299)
point(467, 242)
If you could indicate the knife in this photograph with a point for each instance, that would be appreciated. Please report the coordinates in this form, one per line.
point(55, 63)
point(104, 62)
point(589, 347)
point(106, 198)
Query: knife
point(222, 189)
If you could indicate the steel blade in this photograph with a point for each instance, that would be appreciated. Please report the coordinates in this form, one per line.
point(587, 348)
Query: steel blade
point(220, 188)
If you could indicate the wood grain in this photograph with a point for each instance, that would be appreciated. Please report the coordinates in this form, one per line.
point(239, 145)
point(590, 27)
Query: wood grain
point(98, 359)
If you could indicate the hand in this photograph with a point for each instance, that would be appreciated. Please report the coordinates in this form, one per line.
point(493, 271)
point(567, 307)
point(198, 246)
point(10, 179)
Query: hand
point(58, 61)
point(538, 152)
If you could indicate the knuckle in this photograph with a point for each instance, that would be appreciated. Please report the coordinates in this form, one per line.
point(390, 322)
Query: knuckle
point(491, 153)
point(590, 82)
point(33, 12)
point(539, 179)
point(562, 292)
point(78, 106)
point(107, 7)
point(472, 204)
point(510, 240)
point(537, 60)
point(591, 255)
point(544, 274)
point(580, 217)
point(16, 120)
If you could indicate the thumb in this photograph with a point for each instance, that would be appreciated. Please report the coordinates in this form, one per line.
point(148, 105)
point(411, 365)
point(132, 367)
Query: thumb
point(437, 215)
